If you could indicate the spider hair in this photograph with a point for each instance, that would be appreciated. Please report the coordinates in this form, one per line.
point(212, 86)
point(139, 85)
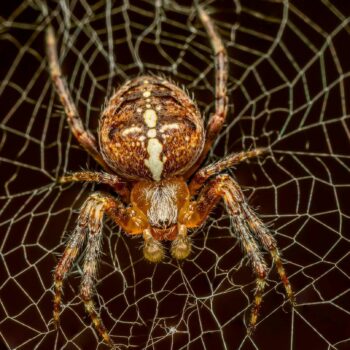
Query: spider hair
point(163, 210)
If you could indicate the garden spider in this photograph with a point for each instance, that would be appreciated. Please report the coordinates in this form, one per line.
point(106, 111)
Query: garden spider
point(151, 142)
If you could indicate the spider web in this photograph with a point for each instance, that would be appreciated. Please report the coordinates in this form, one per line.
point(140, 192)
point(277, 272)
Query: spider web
point(288, 89)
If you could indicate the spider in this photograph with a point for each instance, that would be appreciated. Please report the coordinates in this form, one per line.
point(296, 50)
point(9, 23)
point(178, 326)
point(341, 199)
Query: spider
point(152, 143)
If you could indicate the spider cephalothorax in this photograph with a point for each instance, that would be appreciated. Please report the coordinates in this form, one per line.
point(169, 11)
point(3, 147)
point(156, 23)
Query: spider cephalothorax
point(151, 142)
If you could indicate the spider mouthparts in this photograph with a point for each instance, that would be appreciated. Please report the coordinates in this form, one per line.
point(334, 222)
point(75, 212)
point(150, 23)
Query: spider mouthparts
point(181, 246)
point(164, 233)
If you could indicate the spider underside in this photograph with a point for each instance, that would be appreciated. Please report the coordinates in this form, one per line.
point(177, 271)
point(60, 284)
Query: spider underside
point(151, 142)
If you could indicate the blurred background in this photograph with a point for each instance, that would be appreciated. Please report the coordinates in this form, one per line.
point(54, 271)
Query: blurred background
point(289, 86)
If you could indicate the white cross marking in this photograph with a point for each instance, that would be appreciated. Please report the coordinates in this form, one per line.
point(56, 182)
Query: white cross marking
point(131, 130)
point(150, 117)
point(169, 127)
point(153, 163)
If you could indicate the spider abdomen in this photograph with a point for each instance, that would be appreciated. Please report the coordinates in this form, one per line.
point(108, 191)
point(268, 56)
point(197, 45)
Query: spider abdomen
point(151, 130)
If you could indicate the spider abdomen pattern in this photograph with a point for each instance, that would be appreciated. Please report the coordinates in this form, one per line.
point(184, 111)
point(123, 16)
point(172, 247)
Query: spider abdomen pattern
point(150, 129)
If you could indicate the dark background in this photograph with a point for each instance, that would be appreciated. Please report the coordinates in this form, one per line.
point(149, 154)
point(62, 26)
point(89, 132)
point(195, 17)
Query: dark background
point(288, 89)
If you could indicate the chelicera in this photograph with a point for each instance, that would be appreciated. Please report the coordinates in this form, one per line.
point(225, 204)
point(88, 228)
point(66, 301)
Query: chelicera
point(152, 142)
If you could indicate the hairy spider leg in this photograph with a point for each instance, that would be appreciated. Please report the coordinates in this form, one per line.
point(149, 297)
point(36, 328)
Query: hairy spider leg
point(152, 249)
point(205, 173)
point(217, 120)
point(84, 137)
point(74, 244)
point(261, 232)
point(246, 225)
point(235, 207)
point(93, 211)
point(111, 180)
point(90, 223)
point(270, 244)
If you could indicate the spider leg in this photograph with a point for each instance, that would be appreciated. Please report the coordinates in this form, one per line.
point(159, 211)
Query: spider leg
point(247, 226)
point(84, 137)
point(90, 223)
point(205, 173)
point(114, 181)
point(261, 232)
point(70, 253)
point(217, 120)
point(269, 243)
point(258, 264)
point(94, 209)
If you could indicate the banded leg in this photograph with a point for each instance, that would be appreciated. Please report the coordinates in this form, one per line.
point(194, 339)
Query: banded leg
point(263, 235)
point(205, 173)
point(247, 226)
point(269, 243)
point(252, 250)
point(84, 137)
point(217, 120)
point(112, 180)
point(258, 264)
point(64, 265)
point(90, 223)
point(95, 210)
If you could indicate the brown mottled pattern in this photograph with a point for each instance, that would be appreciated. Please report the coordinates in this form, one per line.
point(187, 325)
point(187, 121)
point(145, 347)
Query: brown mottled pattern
point(126, 153)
